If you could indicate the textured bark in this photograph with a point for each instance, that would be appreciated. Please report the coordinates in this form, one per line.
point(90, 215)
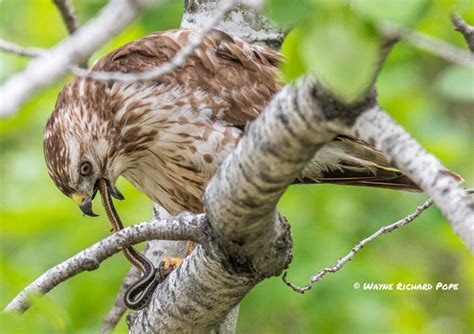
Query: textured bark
point(183, 227)
point(249, 240)
point(247, 23)
point(69, 14)
point(252, 26)
point(465, 29)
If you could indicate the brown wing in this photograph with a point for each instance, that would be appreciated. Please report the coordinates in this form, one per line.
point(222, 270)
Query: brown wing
point(243, 75)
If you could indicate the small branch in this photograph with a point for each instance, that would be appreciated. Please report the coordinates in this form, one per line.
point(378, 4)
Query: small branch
point(465, 29)
point(377, 128)
point(20, 51)
point(68, 14)
point(119, 308)
point(178, 59)
point(439, 48)
point(42, 71)
point(183, 227)
point(386, 229)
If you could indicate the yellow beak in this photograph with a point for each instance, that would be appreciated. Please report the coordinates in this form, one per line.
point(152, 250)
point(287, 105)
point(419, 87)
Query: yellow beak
point(78, 199)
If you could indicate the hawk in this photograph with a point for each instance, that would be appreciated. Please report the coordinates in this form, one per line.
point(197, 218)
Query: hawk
point(168, 136)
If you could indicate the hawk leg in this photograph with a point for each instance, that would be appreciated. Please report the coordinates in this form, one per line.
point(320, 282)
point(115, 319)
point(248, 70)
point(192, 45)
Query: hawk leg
point(168, 263)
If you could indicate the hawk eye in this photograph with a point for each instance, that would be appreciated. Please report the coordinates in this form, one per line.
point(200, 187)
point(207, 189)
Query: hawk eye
point(85, 169)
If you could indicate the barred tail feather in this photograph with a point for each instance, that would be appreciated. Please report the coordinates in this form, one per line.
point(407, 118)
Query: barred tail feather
point(351, 162)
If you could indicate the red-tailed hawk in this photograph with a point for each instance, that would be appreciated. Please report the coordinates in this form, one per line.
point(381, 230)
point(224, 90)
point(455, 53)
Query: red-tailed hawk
point(168, 136)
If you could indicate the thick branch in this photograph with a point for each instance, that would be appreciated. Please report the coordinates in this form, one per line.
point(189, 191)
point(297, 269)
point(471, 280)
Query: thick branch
point(43, 70)
point(250, 241)
point(197, 15)
point(184, 227)
point(246, 21)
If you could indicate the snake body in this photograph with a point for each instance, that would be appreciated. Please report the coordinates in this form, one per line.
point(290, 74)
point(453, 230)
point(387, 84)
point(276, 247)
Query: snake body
point(139, 293)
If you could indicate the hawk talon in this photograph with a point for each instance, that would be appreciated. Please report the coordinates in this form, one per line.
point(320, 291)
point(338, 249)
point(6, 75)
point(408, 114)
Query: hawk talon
point(166, 266)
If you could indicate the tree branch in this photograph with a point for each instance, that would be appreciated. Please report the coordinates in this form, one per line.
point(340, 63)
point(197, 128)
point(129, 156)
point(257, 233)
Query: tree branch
point(250, 241)
point(68, 13)
point(438, 48)
point(183, 227)
point(42, 71)
point(246, 240)
point(344, 260)
point(154, 251)
point(377, 128)
point(119, 308)
point(465, 29)
point(250, 25)
point(21, 51)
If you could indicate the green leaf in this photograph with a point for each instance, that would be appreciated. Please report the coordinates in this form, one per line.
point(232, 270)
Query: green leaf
point(457, 83)
point(404, 12)
point(288, 12)
point(342, 51)
point(294, 66)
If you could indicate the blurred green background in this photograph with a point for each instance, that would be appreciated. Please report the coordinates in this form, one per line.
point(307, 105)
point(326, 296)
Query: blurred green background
point(430, 97)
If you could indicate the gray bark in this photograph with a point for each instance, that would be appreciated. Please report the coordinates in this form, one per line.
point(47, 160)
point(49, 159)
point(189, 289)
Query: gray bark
point(247, 23)
point(252, 26)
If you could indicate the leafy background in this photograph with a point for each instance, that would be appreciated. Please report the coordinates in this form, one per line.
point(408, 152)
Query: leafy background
point(334, 39)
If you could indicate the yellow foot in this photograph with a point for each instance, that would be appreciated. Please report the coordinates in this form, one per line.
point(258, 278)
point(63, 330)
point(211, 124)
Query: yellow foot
point(170, 262)
point(190, 247)
point(166, 266)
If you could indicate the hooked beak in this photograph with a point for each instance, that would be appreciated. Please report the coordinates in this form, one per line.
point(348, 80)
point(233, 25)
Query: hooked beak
point(85, 204)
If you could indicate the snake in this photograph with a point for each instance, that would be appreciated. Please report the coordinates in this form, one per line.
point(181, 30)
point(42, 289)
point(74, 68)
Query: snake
point(138, 295)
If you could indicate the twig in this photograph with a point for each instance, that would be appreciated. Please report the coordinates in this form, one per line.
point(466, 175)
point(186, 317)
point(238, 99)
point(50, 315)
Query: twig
point(183, 227)
point(21, 51)
point(29, 52)
point(178, 59)
point(68, 14)
point(465, 29)
point(439, 48)
point(119, 308)
point(377, 128)
point(42, 71)
point(386, 229)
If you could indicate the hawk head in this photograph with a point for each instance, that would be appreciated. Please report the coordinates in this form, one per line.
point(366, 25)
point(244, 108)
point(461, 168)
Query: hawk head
point(79, 145)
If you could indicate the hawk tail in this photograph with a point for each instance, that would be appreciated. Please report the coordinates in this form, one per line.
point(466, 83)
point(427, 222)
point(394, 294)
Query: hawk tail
point(352, 162)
